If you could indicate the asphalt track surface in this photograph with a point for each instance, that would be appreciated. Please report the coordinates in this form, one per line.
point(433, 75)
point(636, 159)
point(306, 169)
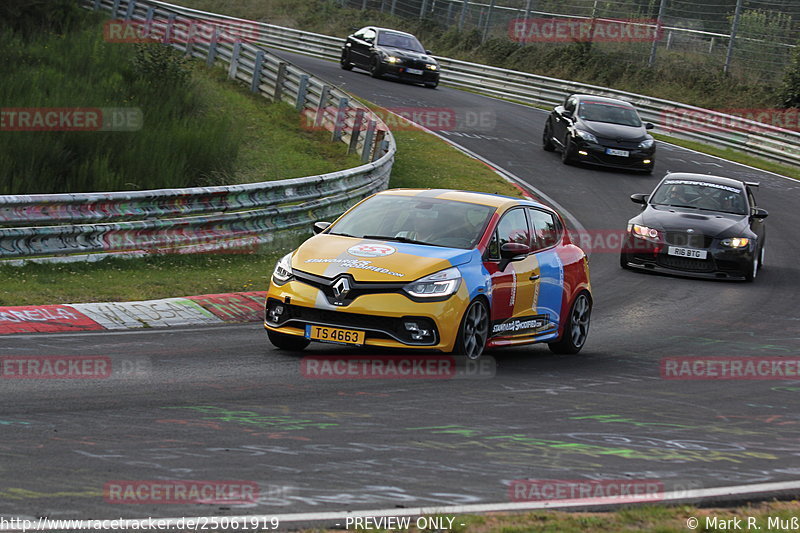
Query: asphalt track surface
point(219, 403)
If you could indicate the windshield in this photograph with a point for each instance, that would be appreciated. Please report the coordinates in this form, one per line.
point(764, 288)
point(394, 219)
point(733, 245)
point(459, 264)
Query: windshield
point(700, 195)
point(611, 113)
point(416, 219)
point(400, 40)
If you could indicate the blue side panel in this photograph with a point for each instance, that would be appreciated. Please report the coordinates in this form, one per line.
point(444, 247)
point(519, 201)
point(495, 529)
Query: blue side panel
point(476, 277)
point(551, 284)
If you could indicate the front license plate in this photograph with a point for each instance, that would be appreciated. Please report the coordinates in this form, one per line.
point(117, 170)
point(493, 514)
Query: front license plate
point(337, 335)
point(621, 153)
point(687, 252)
point(415, 71)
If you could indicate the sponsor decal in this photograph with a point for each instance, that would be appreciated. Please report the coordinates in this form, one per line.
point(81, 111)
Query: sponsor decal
point(44, 318)
point(516, 326)
point(703, 184)
point(371, 250)
point(359, 264)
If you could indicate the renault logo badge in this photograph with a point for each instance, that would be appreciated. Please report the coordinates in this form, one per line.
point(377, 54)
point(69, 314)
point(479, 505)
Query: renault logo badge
point(341, 289)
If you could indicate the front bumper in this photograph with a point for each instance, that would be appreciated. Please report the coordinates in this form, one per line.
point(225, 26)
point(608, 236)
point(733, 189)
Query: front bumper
point(401, 71)
point(596, 154)
point(382, 317)
point(720, 263)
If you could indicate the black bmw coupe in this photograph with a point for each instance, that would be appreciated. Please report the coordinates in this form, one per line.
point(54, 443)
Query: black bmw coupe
point(385, 52)
point(697, 225)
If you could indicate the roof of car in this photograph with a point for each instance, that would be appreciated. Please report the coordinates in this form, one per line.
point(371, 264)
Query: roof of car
point(472, 197)
point(719, 180)
point(602, 99)
point(378, 28)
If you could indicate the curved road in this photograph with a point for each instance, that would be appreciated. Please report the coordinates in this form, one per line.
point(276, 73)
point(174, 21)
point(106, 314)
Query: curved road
point(218, 403)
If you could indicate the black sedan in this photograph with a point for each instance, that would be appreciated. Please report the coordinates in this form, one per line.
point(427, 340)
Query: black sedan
point(385, 52)
point(697, 225)
point(600, 131)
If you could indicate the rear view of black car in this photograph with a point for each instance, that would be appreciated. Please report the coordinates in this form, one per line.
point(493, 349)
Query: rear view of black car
point(599, 131)
point(697, 225)
point(385, 52)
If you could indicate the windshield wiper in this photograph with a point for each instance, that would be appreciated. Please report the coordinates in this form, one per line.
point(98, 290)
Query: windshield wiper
point(398, 239)
point(343, 235)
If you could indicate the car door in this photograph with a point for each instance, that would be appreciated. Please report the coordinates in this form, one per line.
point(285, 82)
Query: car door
point(546, 233)
point(513, 287)
point(361, 44)
point(561, 121)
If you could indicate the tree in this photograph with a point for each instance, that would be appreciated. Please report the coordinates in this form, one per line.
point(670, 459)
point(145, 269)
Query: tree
point(789, 95)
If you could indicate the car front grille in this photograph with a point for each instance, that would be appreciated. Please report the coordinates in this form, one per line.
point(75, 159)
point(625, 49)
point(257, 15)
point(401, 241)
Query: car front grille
point(692, 240)
point(684, 263)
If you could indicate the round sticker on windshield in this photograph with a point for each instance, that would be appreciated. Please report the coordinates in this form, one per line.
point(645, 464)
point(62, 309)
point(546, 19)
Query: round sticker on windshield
point(371, 250)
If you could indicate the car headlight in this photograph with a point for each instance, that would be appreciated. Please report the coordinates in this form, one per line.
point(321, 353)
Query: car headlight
point(438, 285)
point(736, 242)
point(647, 143)
point(393, 59)
point(643, 231)
point(283, 269)
point(431, 67)
point(586, 136)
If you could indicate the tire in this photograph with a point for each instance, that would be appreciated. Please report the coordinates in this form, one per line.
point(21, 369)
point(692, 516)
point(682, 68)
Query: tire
point(576, 330)
point(375, 68)
point(547, 139)
point(344, 61)
point(566, 152)
point(754, 268)
point(291, 343)
point(761, 258)
point(432, 84)
point(623, 261)
point(473, 331)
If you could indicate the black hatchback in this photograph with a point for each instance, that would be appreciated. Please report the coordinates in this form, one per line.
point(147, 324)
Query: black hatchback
point(600, 131)
point(385, 52)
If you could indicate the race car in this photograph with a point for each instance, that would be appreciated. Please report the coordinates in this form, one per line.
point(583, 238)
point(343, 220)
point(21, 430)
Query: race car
point(434, 269)
point(697, 225)
point(600, 131)
point(385, 52)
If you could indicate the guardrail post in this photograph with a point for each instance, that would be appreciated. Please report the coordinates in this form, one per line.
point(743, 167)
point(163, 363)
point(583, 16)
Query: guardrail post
point(323, 101)
point(168, 29)
point(148, 21)
point(368, 141)
point(302, 93)
point(279, 79)
point(129, 11)
point(380, 145)
point(212, 47)
point(115, 9)
point(257, 71)
point(341, 119)
point(189, 47)
point(237, 48)
point(356, 131)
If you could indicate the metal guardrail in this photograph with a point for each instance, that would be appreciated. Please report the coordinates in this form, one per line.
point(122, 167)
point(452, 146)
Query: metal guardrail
point(673, 118)
point(207, 218)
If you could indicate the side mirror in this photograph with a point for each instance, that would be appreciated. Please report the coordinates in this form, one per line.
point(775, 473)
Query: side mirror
point(639, 198)
point(512, 251)
point(320, 226)
point(428, 52)
point(760, 213)
point(649, 125)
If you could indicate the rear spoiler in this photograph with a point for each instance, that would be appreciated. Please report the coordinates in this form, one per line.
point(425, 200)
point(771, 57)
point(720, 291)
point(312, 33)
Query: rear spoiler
point(751, 183)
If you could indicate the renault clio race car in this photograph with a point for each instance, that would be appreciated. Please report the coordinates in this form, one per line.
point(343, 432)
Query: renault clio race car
point(445, 270)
